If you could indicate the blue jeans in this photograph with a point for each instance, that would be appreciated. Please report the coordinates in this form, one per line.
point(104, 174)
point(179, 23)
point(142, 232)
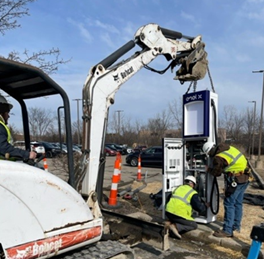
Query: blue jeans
point(234, 209)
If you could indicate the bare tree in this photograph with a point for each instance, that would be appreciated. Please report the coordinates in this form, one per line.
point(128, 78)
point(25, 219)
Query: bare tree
point(158, 126)
point(175, 108)
point(47, 60)
point(39, 121)
point(10, 11)
point(227, 120)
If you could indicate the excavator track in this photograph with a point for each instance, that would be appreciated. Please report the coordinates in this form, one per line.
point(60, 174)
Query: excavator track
point(100, 250)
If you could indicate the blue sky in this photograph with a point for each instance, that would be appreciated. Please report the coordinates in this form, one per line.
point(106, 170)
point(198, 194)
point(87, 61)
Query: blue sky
point(88, 31)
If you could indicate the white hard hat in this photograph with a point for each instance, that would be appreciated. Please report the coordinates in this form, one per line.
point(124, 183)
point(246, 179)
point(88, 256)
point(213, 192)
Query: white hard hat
point(207, 147)
point(190, 178)
point(4, 101)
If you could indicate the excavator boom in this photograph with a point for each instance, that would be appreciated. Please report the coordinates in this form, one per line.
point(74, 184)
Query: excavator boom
point(107, 76)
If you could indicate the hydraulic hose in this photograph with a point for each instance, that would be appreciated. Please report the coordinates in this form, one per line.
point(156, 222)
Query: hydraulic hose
point(215, 186)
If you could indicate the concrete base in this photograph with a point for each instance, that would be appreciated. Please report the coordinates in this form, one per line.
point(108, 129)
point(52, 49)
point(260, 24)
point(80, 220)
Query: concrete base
point(259, 164)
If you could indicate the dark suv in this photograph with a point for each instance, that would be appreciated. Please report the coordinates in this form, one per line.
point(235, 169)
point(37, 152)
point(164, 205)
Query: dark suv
point(152, 156)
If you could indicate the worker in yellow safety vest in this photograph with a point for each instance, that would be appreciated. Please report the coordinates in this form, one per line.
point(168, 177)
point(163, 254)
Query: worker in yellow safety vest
point(184, 199)
point(232, 163)
point(6, 146)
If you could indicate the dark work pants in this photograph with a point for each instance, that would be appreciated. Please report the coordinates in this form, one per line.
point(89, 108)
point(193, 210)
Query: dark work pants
point(183, 225)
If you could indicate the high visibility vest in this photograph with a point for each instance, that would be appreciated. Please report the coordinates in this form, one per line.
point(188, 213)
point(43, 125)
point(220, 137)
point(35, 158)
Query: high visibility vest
point(179, 203)
point(237, 162)
point(9, 139)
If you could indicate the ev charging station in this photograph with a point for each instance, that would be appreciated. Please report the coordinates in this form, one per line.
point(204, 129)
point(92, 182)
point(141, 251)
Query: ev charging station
point(200, 116)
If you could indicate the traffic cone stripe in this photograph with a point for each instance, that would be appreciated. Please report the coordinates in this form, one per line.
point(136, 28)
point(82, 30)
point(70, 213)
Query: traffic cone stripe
point(139, 169)
point(115, 179)
point(119, 158)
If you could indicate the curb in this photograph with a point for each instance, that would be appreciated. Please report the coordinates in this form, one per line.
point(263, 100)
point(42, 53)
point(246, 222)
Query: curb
point(231, 243)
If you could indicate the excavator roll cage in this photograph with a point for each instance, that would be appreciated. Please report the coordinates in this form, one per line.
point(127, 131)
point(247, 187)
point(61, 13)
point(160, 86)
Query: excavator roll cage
point(23, 82)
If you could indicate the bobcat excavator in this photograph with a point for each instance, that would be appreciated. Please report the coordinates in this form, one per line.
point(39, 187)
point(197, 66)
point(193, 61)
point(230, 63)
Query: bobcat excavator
point(43, 216)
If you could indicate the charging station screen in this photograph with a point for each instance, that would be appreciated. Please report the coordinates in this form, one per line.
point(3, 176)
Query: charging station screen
point(194, 118)
point(196, 114)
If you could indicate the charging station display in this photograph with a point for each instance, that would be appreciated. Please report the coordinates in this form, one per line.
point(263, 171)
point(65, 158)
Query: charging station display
point(196, 114)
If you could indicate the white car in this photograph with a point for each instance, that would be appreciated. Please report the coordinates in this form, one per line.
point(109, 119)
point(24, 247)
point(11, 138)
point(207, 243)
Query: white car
point(38, 148)
point(35, 146)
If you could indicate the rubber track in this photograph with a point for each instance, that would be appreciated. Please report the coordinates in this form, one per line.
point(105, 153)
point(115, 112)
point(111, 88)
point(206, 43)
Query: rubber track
point(100, 250)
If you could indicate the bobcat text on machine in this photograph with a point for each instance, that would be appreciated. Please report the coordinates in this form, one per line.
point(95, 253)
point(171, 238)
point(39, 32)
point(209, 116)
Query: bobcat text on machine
point(43, 216)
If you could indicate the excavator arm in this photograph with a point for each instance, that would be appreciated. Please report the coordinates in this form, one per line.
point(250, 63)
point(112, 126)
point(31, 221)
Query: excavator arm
point(107, 76)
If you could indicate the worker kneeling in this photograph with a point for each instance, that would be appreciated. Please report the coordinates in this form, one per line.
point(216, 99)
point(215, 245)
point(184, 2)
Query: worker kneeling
point(179, 208)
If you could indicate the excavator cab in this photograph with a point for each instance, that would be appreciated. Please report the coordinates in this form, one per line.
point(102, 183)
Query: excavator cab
point(24, 82)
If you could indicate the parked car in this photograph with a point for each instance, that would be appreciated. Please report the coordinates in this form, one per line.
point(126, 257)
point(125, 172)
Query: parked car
point(76, 149)
point(62, 148)
point(117, 148)
point(50, 150)
point(110, 152)
point(126, 148)
point(152, 156)
point(39, 149)
point(139, 148)
point(129, 150)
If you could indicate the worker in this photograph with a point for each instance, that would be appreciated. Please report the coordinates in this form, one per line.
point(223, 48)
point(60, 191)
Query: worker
point(232, 163)
point(179, 208)
point(6, 148)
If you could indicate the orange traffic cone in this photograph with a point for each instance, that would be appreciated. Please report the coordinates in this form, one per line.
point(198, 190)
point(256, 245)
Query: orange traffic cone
point(45, 164)
point(113, 192)
point(119, 157)
point(139, 169)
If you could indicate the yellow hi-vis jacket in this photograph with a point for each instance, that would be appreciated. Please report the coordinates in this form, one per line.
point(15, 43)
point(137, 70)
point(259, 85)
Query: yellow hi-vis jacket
point(237, 162)
point(179, 203)
point(9, 139)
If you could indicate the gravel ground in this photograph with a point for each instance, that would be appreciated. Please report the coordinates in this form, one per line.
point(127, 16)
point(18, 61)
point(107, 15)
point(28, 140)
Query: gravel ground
point(141, 203)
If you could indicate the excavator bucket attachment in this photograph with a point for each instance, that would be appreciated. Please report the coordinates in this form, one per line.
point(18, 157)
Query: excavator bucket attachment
point(194, 67)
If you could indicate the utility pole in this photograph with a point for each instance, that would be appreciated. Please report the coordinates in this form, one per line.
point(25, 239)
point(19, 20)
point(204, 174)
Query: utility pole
point(118, 120)
point(253, 130)
point(78, 120)
point(259, 163)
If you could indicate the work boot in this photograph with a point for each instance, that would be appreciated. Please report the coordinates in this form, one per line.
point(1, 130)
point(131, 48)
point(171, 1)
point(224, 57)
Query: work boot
point(174, 230)
point(221, 234)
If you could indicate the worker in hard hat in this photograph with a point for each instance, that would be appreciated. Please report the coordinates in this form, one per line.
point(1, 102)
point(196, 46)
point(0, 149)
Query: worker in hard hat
point(5, 136)
point(232, 163)
point(184, 199)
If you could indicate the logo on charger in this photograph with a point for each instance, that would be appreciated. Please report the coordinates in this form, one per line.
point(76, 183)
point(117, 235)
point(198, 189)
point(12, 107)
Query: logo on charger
point(194, 97)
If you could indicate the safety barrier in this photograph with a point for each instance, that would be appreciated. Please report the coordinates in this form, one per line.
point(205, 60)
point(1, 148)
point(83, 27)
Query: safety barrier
point(139, 169)
point(115, 179)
